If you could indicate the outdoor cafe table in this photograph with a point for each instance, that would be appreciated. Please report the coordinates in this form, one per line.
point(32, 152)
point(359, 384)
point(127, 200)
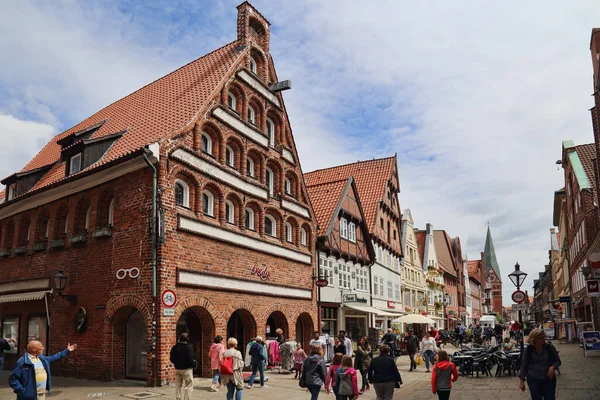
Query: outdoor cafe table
point(463, 359)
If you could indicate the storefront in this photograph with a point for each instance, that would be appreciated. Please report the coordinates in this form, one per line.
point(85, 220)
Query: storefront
point(329, 320)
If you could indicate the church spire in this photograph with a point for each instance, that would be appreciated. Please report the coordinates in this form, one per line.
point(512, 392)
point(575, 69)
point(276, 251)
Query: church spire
point(489, 255)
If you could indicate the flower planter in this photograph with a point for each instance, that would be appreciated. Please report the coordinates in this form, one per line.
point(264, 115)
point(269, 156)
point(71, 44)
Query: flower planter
point(20, 251)
point(57, 244)
point(39, 246)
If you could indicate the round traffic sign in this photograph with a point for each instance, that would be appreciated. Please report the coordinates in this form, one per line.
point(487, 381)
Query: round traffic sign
point(321, 282)
point(169, 298)
point(518, 296)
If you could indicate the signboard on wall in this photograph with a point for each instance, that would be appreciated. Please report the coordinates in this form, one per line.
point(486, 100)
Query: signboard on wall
point(591, 341)
point(549, 330)
point(593, 287)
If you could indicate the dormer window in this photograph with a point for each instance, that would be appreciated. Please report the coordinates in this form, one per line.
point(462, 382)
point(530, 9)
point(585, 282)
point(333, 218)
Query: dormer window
point(231, 101)
point(12, 191)
point(75, 164)
point(253, 66)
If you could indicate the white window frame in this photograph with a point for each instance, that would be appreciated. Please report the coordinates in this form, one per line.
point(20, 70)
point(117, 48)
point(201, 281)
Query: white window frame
point(327, 270)
point(211, 203)
point(251, 115)
point(67, 222)
point(12, 189)
point(343, 228)
point(352, 232)
point(209, 146)
point(229, 216)
point(375, 285)
point(288, 186)
point(250, 167)
point(390, 287)
point(344, 276)
point(270, 178)
point(229, 156)
point(397, 292)
point(231, 101)
point(253, 65)
point(303, 237)
point(111, 213)
point(75, 164)
point(270, 132)
point(48, 229)
point(289, 236)
point(249, 218)
point(273, 225)
point(186, 193)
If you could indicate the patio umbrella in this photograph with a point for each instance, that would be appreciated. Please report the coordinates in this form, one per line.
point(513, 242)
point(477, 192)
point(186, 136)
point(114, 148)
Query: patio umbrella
point(414, 319)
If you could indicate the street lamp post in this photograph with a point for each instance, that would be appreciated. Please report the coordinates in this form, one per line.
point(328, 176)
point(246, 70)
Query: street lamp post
point(517, 277)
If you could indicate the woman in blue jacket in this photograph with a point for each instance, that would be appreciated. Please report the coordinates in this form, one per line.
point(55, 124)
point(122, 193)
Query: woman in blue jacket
point(30, 379)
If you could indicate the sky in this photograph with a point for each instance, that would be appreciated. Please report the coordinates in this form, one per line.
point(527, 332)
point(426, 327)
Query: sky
point(475, 98)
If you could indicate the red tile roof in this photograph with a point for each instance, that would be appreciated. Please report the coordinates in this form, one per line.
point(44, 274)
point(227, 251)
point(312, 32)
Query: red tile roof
point(421, 236)
point(443, 249)
point(324, 198)
point(473, 266)
point(371, 177)
point(152, 112)
point(587, 153)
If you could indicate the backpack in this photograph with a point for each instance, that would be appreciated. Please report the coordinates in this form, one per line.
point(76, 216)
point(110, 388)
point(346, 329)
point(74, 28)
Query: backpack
point(227, 366)
point(345, 387)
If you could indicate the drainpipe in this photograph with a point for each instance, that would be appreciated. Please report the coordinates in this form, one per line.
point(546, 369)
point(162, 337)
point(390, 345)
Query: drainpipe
point(153, 233)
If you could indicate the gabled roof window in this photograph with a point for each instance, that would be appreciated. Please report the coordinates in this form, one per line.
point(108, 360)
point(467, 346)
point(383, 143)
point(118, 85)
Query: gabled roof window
point(83, 153)
point(83, 134)
point(75, 164)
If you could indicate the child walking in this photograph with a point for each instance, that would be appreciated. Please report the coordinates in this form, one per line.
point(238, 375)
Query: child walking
point(444, 373)
point(336, 363)
point(346, 380)
point(299, 357)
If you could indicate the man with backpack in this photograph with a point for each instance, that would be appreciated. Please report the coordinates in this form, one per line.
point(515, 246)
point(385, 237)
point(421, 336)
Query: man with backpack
point(182, 356)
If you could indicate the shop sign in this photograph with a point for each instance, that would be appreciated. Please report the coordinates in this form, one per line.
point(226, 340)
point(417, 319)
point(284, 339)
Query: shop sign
point(593, 287)
point(350, 298)
point(549, 330)
point(391, 304)
point(564, 299)
point(262, 273)
point(169, 298)
point(361, 300)
point(321, 282)
point(591, 340)
point(268, 329)
point(596, 273)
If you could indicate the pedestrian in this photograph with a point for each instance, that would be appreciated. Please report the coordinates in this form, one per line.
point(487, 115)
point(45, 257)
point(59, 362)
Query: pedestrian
point(338, 347)
point(412, 347)
point(461, 333)
point(182, 356)
point(362, 361)
point(346, 380)
point(390, 339)
point(508, 344)
point(316, 340)
point(257, 359)
point(4, 346)
point(539, 363)
point(215, 355)
point(299, 357)
point(428, 349)
point(280, 338)
point(332, 374)
point(232, 365)
point(314, 371)
point(347, 342)
point(384, 374)
point(444, 373)
point(498, 331)
point(31, 379)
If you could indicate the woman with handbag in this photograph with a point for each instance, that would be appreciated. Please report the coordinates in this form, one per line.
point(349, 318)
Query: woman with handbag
point(232, 365)
point(314, 372)
point(383, 374)
point(362, 361)
point(539, 363)
point(428, 349)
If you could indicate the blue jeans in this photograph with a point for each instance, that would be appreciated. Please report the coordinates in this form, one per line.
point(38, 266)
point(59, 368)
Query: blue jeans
point(1, 364)
point(260, 368)
point(231, 389)
point(216, 376)
point(314, 391)
point(429, 356)
point(542, 388)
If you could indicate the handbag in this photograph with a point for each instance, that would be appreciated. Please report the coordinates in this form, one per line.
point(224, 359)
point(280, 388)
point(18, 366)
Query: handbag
point(419, 359)
point(302, 381)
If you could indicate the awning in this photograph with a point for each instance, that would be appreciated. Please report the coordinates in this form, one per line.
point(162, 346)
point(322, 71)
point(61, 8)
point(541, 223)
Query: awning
point(366, 309)
point(389, 313)
point(12, 298)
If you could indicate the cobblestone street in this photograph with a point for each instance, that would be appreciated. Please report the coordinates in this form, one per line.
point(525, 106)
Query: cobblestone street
point(579, 381)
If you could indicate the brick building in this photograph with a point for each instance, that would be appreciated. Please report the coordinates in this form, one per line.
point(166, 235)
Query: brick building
point(443, 248)
point(345, 255)
point(229, 227)
point(378, 185)
point(475, 268)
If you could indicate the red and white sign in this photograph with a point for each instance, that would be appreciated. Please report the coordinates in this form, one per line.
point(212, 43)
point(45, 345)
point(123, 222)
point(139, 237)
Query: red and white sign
point(391, 304)
point(168, 298)
point(262, 273)
point(518, 296)
point(321, 282)
point(593, 287)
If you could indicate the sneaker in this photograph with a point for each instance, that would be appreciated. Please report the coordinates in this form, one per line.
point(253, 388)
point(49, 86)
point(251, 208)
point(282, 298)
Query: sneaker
point(264, 386)
point(214, 389)
point(249, 387)
point(427, 371)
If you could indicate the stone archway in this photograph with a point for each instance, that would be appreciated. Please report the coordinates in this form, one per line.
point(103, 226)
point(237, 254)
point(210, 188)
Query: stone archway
point(304, 330)
point(200, 326)
point(242, 326)
point(277, 320)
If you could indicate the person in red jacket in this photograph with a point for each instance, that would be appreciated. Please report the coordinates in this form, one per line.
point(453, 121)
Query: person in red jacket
point(435, 334)
point(444, 373)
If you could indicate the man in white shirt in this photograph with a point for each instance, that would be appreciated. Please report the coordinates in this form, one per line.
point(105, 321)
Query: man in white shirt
point(318, 342)
point(347, 342)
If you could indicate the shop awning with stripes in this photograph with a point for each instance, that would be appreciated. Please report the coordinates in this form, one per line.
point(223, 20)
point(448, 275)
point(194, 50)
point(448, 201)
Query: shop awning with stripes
point(27, 296)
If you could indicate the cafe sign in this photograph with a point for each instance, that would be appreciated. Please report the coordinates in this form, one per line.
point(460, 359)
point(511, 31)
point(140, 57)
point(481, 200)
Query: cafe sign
point(261, 272)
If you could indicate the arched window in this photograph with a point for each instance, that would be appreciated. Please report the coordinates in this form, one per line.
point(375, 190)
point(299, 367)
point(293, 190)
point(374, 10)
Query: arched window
point(270, 226)
point(229, 212)
point(270, 180)
point(208, 203)
point(229, 156)
point(231, 101)
point(250, 167)
point(182, 193)
point(253, 66)
point(43, 227)
point(82, 217)
point(88, 215)
point(251, 115)
point(303, 235)
point(24, 232)
point(271, 132)
point(249, 218)
point(344, 228)
point(104, 218)
point(111, 213)
point(9, 235)
point(288, 186)
point(206, 143)
point(288, 233)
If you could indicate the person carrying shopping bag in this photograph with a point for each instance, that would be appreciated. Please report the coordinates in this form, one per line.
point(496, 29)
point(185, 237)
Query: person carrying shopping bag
point(428, 349)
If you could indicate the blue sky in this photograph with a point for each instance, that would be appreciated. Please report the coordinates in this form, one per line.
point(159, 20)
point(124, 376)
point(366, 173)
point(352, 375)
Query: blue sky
point(474, 99)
